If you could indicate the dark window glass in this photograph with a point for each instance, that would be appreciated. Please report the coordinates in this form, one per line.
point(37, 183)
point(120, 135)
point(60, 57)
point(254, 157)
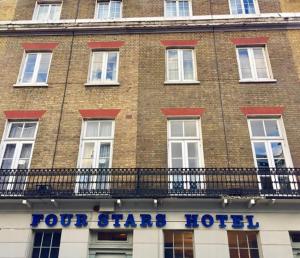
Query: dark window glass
point(178, 244)
point(295, 236)
point(46, 244)
point(112, 236)
point(243, 244)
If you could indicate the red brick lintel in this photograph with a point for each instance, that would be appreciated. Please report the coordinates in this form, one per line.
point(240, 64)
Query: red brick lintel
point(24, 114)
point(99, 113)
point(250, 41)
point(183, 112)
point(39, 46)
point(179, 43)
point(256, 111)
point(105, 44)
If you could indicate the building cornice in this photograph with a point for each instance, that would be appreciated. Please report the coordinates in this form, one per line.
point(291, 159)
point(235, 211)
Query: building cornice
point(155, 24)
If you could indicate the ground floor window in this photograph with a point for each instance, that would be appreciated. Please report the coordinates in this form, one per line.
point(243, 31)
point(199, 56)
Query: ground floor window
point(243, 244)
point(295, 239)
point(178, 244)
point(46, 244)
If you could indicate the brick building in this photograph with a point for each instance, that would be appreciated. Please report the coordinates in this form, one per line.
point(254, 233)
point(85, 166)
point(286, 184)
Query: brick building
point(158, 129)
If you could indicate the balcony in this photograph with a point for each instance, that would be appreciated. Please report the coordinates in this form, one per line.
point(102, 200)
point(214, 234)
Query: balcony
point(149, 183)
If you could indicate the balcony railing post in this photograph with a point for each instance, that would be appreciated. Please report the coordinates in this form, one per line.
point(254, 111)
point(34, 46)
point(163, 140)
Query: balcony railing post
point(138, 182)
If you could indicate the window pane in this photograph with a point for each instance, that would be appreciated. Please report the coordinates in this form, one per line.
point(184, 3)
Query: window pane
point(38, 239)
point(244, 63)
point(105, 129)
point(280, 163)
point(179, 253)
point(44, 67)
point(236, 7)
point(15, 130)
point(36, 253)
point(23, 162)
point(54, 253)
point(178, 240)
point(173, 69)
point(168, 238)
point(188, 65)
point(56, 239)
point(29, 130)
point(257, 128)
point(104, 155)
point(252, 239)
point(169, 253)
point(232, 239)
point(171, 8)
point(271, 128)
point(244, 253)
point(176, 149)
point(254, 253)
point(103, 9)
point(47, 239)
point(88, 155)
point(192, 150)
point(188, 239)
point(190, 128)
point(249, 6)
point(115, 9)
point(234, 253)
point(188, 253)
point(184, 8)
point(54, 13)
point(45, 253)
point(242, 240)
point(277, 150)
point(176, 128)
point(42, 12)
point(29, 68)
point(260, 63)
point(260, 150)
point(111, 72)
point(9, 151)
point(97, 66)
point(92, 129)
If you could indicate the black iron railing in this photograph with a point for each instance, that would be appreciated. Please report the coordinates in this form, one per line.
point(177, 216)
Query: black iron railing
point(149, 183)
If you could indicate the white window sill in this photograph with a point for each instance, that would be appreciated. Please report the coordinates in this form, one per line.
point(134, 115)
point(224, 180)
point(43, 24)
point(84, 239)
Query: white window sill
point(88, 84)
point(259, 81)
point(24, 85)
point(181, 82)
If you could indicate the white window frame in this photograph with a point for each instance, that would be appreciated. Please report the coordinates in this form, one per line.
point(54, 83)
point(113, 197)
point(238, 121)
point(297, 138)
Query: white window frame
point(103, 80)
point(267, 140)
point(180, 66)
point(256, 7)
point(36, 11)
point(36, 69)
point(177, 9)
point(19, 142)
point(253, 65)
point(184, 141)
point(97, 143)
point(96, 14)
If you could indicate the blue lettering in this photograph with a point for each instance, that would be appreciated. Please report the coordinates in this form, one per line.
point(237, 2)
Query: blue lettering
point(36, 219)
point(237, 221)
point(81, 220)
point(103, 220)
point(251, 225)
point(146, 221)
point(51, 220)
point(222, 219)
point(117, 218)
point(130, 222)
point(191, 220)
point(207, 220)
point(161, 220)
point(65, 219)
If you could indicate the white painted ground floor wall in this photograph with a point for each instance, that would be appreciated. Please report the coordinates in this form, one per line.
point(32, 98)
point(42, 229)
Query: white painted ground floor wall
point(16, 235)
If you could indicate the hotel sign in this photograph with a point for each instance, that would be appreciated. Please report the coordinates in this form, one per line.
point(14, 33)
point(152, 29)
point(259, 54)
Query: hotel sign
point(117, 220)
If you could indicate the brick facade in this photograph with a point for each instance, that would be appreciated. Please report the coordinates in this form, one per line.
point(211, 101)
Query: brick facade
point(141, 128)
